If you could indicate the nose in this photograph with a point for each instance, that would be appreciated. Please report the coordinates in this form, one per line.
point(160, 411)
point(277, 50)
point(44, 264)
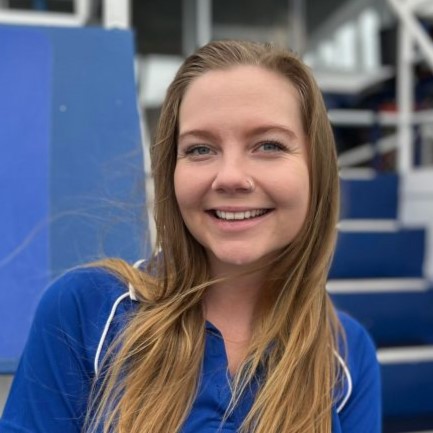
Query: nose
point(233, 177)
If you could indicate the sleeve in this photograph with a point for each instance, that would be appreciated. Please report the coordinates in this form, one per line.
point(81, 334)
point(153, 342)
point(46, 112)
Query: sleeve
point(51, 386)
point(362, 412)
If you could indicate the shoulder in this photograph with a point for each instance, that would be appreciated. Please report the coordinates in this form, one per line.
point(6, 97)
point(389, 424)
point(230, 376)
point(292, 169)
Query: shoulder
point(85, 306)
point(77, 317)
point(360, 348)
point(357, 357)
point(84, 294)
point(84, 285)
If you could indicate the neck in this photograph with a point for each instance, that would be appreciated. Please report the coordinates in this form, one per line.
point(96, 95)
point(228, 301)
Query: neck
point(230, 305)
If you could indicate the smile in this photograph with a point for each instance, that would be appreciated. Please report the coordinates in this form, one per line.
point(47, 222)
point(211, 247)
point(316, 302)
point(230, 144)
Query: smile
point(239, 216)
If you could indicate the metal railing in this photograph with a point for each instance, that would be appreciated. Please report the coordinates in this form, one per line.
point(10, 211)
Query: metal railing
point(116, 14)
point(411, 34)
point(368, 118)
point(413, 41)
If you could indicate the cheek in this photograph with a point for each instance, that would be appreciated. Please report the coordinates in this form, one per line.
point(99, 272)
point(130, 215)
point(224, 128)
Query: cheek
point(302, 178)
point(304, 199)
point(292, 188)
point(304, 190)
point(185, 188)
point(179, 188)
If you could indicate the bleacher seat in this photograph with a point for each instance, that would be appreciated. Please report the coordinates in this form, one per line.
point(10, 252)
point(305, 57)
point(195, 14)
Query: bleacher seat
point(377, 277)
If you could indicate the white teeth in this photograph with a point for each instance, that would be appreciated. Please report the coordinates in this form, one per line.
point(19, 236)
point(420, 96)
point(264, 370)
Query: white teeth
point(239, 215)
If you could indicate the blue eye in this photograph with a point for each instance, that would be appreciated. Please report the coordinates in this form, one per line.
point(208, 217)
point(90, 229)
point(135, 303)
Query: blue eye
point(271, 146)
point(198, 150)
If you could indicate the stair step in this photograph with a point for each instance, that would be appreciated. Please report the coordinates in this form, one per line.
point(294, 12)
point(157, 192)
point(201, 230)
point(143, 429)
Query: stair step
point(368, 225)
point(421, 431)
point(357, 173)
point(376, 285)
point(409, 354)
point(408, 424)
point(408, 385)
point(393, 318)
point(379, 254)
point(369, 197)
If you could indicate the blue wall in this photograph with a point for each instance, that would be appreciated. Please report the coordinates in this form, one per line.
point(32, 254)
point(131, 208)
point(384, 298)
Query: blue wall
point(71, 163)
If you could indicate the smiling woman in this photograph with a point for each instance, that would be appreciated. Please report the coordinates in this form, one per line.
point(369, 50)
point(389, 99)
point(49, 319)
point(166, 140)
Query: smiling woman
point(241, 150)
point(228, 327)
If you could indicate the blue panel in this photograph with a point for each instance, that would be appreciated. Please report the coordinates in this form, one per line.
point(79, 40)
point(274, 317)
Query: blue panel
point(98, 196)
point(379, 254)
point(25, 76)
point(376, 198)
point(71, 163)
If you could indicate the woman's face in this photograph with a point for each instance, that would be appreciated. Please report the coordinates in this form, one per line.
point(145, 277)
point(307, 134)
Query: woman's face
point(241, 178)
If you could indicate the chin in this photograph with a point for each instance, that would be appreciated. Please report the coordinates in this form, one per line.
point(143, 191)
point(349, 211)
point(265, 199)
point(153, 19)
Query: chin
point(234, 261)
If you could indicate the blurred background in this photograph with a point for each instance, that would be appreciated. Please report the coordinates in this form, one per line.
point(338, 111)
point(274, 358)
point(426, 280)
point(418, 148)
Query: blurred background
point(81, 85)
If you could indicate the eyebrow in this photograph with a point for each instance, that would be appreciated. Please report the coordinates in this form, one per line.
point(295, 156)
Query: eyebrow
point(200, 133)
point(206, 134)
point(272, 128)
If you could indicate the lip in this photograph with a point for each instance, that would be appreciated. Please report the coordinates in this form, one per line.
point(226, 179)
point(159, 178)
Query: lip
point(237, 208)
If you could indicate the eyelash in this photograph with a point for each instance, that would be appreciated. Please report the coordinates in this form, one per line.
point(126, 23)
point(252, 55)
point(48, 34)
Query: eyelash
point(193, 150)
point(278, 146)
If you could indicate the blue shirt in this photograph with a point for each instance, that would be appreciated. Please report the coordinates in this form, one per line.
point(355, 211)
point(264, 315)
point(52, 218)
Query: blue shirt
point(81, 314)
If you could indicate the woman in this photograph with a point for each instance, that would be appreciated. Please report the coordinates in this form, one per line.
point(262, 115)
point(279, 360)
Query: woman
point(228, 327)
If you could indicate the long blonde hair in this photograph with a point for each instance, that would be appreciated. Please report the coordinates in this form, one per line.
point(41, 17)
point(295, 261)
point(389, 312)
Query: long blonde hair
point(150, 378)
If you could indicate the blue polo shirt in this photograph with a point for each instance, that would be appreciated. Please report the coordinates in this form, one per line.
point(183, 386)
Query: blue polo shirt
point(80, 315)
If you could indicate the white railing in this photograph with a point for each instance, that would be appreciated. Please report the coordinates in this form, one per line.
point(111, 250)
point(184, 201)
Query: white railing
point(406, 12)
point(411, 34)
point(80, 17)
point(343, 117)
point(347, 41)
point(369, 118)
point(116, 14)
point(327, 50)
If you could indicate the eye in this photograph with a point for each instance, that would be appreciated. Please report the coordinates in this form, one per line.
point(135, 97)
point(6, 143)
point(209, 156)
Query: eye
point(198, 150)
point(271, 146)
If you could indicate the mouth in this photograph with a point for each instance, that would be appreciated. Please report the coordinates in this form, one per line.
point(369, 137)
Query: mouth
point(239, 215)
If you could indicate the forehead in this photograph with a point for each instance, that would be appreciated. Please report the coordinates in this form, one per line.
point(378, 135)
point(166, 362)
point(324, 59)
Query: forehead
point(240, 93)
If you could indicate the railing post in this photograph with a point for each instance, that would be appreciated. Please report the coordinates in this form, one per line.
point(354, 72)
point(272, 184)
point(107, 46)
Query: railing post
point(405, 12)
point(196, 24)
point(297, 11)
point(204, 21)
point(117, 14)
point(405, 99)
